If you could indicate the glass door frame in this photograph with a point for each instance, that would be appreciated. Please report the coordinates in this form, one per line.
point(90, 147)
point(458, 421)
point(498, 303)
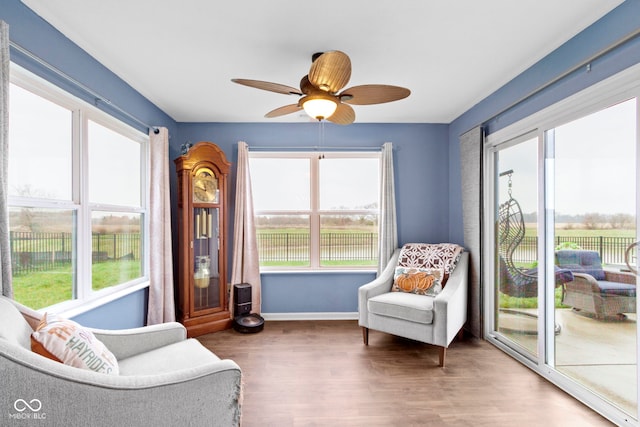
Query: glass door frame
point(615, 89)
point(491, 192)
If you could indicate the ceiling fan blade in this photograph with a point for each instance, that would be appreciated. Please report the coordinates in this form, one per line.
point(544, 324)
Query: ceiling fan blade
point(373, 94)
point(281, 111)
point(305, 85)
point(330, 71)
point(271, 87)
point(344, 115)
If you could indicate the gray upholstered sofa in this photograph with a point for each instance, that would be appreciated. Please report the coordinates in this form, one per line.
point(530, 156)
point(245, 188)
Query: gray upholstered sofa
point(165, 379)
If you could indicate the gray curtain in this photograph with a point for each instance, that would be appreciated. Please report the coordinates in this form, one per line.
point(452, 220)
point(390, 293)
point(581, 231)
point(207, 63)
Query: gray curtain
point(246, 263)
point(161, 307)
point(471, 180)
point(387, 225)
point(5, 255)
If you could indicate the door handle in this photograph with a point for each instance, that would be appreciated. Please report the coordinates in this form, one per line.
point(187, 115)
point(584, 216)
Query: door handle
point(627, 253)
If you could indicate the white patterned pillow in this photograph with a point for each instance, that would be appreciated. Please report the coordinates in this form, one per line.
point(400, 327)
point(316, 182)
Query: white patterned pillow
point(442, 256)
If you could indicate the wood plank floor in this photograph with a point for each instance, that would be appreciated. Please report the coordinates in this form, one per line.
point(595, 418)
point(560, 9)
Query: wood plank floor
point(319, 373)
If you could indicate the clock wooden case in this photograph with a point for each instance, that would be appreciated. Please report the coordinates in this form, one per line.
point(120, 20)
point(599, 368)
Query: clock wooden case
point(203, 296)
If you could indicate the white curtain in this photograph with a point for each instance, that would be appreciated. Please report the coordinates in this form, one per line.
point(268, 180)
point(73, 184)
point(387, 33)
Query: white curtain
point(471, 181)
point(5, 255)
point(246, 264)
point(161, 295)
point(387, 225)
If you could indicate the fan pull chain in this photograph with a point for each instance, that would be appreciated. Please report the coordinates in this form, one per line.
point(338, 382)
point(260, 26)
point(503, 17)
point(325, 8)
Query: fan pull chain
point(320, 138)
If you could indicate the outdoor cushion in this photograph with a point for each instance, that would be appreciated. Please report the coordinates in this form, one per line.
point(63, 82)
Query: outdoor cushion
point(581, 261)
point(588, 262)
point(615, 288)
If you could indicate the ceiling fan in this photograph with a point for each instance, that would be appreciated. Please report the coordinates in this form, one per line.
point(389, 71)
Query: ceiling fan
point(319, 92)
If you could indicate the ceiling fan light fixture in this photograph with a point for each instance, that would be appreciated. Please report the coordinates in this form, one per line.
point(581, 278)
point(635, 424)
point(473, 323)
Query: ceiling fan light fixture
point(319, 107)
point(320, 91)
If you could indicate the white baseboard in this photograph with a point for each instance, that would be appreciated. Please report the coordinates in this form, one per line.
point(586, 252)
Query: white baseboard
point(311, 316)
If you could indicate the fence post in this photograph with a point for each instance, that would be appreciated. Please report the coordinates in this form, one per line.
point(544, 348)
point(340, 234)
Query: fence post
point(12, 247)
point(600, 246)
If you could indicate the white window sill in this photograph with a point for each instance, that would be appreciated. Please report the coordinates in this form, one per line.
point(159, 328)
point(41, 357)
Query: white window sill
point(70, 309)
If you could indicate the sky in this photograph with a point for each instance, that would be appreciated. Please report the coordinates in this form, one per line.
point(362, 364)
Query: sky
point(594, 165)
point(43, 150)
point(285, 183)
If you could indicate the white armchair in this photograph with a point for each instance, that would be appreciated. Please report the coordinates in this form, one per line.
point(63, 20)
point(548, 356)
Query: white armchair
point(165, 379)
point(432, 320)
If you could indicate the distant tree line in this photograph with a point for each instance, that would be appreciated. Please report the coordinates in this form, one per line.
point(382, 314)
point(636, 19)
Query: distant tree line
point(591, 220)
point(285, 221)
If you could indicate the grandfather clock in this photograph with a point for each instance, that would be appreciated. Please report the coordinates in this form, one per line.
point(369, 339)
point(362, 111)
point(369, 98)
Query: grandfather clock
point(203, 298)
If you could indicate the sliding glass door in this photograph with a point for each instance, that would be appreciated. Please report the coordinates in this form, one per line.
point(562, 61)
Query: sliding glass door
point(594, 221)
point(562, 219)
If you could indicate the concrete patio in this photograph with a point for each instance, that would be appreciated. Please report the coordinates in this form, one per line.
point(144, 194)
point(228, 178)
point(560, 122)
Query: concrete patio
point(600, 355)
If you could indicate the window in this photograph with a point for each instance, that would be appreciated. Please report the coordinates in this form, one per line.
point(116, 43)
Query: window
point(316, 211)
point(77, 197)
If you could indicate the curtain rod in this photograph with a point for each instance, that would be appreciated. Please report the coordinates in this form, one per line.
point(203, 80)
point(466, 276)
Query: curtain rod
point(584, 64)
point(94, 94)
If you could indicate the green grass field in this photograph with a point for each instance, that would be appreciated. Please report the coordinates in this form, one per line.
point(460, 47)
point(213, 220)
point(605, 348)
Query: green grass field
point(505, 301)
point(44, 288)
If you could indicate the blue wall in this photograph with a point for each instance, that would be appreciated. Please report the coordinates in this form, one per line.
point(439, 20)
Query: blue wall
point(123, 313)
point(420, 163)
point(426, 155)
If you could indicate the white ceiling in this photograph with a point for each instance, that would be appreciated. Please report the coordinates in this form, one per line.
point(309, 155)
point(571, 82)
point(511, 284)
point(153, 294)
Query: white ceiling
point(182, 55)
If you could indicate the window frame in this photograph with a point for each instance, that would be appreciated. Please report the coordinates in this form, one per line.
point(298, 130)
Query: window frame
point(314, 212)
point(84, 297)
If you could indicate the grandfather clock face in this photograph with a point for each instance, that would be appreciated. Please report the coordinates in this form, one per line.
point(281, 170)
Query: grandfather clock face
point(205, 186)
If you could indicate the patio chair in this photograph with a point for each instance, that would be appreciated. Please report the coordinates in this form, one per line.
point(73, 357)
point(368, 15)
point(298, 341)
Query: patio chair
point(515, 281)
point(594, 291)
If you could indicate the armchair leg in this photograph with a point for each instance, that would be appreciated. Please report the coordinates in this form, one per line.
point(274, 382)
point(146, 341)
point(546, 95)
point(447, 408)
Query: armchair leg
point(365, 335)
point(443, 352)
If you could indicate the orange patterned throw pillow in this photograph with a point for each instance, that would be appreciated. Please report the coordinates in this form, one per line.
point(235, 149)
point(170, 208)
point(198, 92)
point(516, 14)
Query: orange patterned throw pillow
point(420, 281)
point(67, 342)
